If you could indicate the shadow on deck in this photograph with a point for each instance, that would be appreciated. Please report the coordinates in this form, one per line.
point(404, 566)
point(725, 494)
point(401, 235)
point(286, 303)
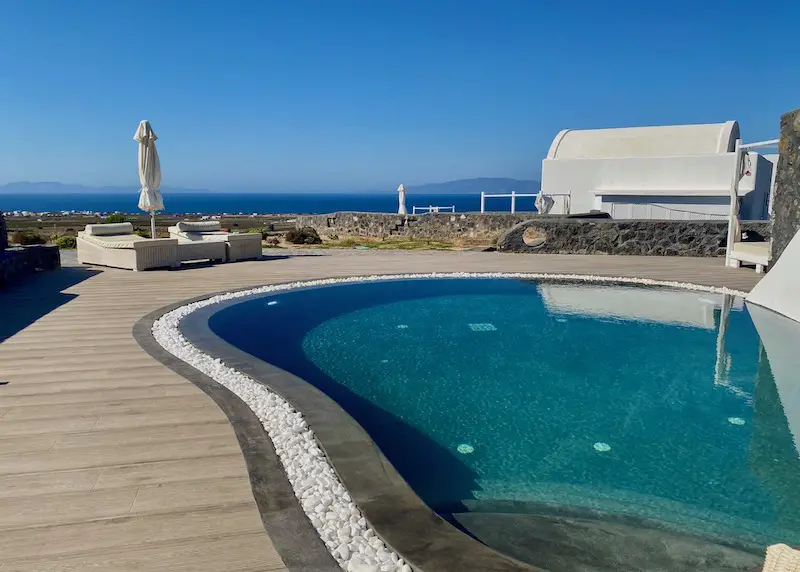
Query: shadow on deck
point(37, 295)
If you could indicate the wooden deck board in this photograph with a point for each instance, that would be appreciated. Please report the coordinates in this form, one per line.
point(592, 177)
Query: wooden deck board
point(109, 461)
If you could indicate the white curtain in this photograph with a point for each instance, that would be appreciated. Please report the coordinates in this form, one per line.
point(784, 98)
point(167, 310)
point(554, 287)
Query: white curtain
point(544, 203)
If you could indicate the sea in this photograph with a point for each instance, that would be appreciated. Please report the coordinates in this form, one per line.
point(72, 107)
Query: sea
point(249, 203)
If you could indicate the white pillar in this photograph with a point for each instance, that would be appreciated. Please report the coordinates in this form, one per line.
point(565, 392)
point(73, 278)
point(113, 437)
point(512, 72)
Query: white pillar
point(483, 201)
point(513, 202)
point(733, 215)
point(401, 197)
point(152, 224)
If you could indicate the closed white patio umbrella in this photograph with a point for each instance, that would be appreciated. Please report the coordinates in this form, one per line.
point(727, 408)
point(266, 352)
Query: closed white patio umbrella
point(150, 199)
point(401, 195)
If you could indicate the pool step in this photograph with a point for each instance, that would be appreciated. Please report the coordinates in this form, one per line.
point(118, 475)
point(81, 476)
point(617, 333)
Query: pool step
point(569, 543)
point(572, 500)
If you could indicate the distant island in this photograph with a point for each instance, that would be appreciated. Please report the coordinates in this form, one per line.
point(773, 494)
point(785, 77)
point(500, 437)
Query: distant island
point(460, 187)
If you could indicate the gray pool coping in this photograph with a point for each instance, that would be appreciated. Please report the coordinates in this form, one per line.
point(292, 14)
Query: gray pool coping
point(284, 520)
point(426, 541)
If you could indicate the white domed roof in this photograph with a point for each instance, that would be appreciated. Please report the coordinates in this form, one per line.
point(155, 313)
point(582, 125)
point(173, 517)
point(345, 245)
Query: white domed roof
point(702, 139)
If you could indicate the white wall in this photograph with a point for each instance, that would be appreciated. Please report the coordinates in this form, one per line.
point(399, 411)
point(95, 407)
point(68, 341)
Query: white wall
point(667, 207)
point(655, 141)
point(683, 181)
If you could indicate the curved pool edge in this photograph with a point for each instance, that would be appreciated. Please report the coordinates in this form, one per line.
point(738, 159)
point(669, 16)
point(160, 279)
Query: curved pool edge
point(420, 536)
point(282, 517)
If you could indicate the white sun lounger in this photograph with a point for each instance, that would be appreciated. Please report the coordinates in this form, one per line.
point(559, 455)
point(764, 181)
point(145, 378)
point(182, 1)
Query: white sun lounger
point(238, 246)
point(197, 250)
point(115, 245)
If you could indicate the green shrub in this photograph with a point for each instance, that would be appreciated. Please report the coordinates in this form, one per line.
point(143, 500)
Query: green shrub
point(26, 238)
point(305, 235)
point(143, 232)
point(273, 242)
point(116, 217)
point(262, 231)
point(66, 242)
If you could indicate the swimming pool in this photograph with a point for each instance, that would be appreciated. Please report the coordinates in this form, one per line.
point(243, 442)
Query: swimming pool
point(541, 416)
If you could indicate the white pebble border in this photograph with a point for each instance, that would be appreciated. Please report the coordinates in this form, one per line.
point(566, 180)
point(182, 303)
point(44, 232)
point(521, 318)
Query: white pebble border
point(351, 541)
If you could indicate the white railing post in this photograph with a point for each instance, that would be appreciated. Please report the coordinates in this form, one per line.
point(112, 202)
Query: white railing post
point(483, 201)
point(733, 215)
point(513, 202)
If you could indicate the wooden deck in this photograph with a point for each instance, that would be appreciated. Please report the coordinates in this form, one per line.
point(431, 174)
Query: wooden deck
point(110, 461)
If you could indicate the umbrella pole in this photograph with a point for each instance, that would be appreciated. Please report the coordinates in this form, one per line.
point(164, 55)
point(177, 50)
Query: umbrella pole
point(152, 224)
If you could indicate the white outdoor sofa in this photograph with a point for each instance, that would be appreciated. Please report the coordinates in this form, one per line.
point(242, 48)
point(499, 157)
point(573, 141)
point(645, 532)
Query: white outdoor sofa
point(115, 245)
point(237, 246)
point(757, 253)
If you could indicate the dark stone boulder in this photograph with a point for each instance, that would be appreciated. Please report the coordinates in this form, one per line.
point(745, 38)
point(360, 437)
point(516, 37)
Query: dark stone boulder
point(19, 261)
point(786, 195)
point(629, 237)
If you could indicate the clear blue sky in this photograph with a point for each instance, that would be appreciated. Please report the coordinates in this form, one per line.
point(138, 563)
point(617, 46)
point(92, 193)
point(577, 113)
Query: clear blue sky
point(358, 94)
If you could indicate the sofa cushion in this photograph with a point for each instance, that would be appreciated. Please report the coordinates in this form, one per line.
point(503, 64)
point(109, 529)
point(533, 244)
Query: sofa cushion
point(199, 226)
point(109, 229)
point(117, 241)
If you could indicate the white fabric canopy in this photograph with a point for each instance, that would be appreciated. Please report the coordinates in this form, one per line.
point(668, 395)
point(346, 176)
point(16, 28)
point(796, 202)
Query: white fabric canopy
point(150, 199)
point(401, 208)
point(544, 203)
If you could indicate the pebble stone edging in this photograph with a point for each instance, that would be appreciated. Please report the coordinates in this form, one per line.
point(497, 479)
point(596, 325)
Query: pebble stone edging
point(345, 532)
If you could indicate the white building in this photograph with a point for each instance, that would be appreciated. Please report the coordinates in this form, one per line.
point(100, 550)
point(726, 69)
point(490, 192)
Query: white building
point(669, 172)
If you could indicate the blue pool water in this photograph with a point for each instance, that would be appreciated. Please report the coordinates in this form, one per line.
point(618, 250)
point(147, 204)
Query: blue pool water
point(485, 393)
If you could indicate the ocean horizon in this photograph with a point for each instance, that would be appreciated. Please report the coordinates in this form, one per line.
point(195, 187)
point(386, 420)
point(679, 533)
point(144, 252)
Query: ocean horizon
point(249, 203)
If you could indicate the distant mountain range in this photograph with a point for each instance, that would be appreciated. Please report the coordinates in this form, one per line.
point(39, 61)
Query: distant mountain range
point(461, 187)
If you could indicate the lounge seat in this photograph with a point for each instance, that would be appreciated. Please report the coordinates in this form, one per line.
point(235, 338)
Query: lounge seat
point(757, 253)
point(115, 245)
point(201, 250)
point(237, 246)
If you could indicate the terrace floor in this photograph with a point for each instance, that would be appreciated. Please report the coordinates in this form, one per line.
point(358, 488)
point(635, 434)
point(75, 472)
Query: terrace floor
point(111, 461)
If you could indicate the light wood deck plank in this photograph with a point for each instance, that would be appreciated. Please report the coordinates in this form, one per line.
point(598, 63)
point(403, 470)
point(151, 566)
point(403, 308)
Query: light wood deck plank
point(48, 482)
point(109, 455)
point(238, 553)
point(180, 470)
point(127, 531)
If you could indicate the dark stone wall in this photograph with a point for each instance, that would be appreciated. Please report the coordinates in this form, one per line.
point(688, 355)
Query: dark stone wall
point(442, 226)
point(554, 234)
point(786, 199)
point(3, 233)
point(21, 260)
point(627, 237)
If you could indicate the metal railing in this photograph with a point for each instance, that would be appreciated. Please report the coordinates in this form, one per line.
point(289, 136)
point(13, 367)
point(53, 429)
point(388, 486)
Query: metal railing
point(564, 202)
point(433, 209)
